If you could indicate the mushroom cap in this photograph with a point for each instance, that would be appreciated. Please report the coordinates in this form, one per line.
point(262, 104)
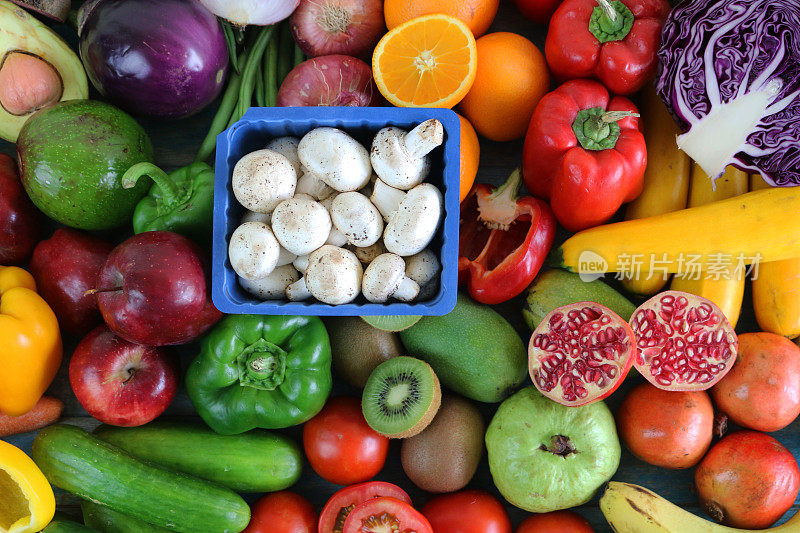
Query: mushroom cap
point(423, 266)
point(273, 287)
point(312, 185)
point(382, 277)
point(287, 147)
point(415, 222)
point(301, 225)
point(354, 215)
point(253, 250)
point(334, 275)
point(367, 254)
point(393, 163)
point(334, 156)
point(263, 179)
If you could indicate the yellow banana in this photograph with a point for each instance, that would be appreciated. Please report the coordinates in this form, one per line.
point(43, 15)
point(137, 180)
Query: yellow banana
point(630, 508)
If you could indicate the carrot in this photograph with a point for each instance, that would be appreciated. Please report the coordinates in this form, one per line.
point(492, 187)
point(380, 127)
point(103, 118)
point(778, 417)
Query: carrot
point(46, 411)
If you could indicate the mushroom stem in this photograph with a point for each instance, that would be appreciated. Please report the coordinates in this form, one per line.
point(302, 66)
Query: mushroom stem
point(285, 257)
point(312, 185)
point(407, 290)
point(424, 138)
point(386, 198)
point(336, 238)
point(301, 263)
point(298, 290)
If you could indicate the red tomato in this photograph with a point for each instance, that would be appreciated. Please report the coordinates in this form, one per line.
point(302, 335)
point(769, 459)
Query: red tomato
point(282, 512)
point(538, 10)
point(555, 522)
point(468, 511)
point(340, 446)
point(384, 515)
point(331, 520)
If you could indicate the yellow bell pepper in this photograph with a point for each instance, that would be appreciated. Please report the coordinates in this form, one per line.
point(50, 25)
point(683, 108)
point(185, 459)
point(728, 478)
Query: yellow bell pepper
point(30, 343)
point(27, 503)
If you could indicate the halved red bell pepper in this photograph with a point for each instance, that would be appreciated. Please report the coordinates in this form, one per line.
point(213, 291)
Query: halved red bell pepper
point(584, 152)
point(503, 240)
point(614, 41)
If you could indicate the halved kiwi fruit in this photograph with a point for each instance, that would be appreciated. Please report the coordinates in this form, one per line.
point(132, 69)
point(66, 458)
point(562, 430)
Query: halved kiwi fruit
point(392, 323)
point(401, 397)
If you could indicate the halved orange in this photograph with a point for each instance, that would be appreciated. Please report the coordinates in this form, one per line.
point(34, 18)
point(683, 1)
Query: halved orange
point(429, 61)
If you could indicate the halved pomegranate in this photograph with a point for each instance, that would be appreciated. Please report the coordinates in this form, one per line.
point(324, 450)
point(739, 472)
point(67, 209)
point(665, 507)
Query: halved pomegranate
point(580, 353)
point(685, 342)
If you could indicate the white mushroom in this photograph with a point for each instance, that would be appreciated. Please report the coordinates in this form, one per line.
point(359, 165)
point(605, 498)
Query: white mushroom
point(386, 278)
point(401, 159)
point(335, 238)
point(415, 222)
point(253, 250)
point(328, 202)
point(301, 263)
point(333, 277)
point(273, 287)
point(367, 254)
point(387, 199)
point(301, 225)
point(252, 216)
point(263, 179)
point(313, 186)
point(334, 156)
point(354, 215)
point(287, 147)
point(368, 188)
point(423, 268)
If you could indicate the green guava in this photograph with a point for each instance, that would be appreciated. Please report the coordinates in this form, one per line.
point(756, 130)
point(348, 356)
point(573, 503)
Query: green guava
point(545, 456)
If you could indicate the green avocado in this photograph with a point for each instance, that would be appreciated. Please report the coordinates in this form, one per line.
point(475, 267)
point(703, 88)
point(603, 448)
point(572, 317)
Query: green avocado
point(473, 350)
point(72, 157)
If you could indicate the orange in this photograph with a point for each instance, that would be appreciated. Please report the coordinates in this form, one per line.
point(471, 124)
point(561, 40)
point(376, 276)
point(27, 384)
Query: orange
point(476, 14)
point(512, 78)
point(430, 61)
point(470, 156)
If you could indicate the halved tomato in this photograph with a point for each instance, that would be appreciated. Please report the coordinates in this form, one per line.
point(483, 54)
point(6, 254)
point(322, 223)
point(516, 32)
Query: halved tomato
point(333, 515)
point(386, 515)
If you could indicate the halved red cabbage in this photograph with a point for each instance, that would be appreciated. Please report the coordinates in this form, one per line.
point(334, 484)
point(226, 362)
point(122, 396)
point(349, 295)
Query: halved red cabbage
point(730, 74)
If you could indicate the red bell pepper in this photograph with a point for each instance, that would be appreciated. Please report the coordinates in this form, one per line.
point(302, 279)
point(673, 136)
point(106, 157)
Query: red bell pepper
point(614, 41)
point(503, 240)
point(584, 152)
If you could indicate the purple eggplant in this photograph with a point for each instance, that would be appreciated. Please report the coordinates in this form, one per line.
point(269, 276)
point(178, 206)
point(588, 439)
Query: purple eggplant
point(158, 58)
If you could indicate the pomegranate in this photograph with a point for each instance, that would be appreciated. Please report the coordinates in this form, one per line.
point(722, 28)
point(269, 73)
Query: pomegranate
point(685, 342)
point(747, 480)
point(580, 353)
point(665, 428)
point(762, 390)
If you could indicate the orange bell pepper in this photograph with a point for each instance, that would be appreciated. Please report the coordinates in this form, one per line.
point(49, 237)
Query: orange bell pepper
point(30, 343)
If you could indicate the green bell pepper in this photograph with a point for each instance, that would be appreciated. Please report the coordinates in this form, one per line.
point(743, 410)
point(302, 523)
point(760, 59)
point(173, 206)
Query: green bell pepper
point(261, 372)
point(182, 201)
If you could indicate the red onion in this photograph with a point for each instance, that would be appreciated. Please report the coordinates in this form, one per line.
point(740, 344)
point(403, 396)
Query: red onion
point(258, 12)
point(351, 27)
point(334, 80)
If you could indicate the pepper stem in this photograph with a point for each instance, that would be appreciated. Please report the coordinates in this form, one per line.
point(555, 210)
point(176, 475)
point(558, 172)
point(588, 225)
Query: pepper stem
point(171, 193)
point(610, 21)
point(262, 365)
point(597, 129)
point(499, 209)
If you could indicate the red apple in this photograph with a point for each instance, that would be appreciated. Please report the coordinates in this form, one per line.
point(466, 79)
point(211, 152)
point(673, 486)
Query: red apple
point(65, 267)
point(121, 383)
point(19, 219)
point(154, 289)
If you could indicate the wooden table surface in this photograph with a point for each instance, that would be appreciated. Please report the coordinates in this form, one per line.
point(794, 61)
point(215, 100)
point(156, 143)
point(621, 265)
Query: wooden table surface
point(175, 145)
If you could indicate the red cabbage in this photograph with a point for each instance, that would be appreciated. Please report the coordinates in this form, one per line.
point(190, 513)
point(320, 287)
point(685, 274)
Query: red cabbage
point(730, 74)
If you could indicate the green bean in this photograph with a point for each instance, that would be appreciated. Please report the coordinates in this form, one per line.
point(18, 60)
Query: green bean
point(259, 90)
point(249, 72)
point(299, 56)
point(230, 42)
point(270, 66)
point(285, 53)
point(226, 107)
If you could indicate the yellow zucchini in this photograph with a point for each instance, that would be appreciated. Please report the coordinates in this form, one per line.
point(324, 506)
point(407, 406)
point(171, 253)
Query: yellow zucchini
point(666, 179)
point(757, 183)
point(761, 225)
point(727, 292)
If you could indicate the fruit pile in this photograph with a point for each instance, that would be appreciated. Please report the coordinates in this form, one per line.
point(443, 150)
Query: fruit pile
point(650, 225)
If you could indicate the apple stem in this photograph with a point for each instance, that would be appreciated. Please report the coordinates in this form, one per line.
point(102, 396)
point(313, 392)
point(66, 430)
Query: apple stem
point(96, 291)
point(131, 373)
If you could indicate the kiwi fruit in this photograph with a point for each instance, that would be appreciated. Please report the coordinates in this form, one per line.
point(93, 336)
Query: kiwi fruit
point(401, 397)
point(357, 348)
point(445, 456)
point(393, 323)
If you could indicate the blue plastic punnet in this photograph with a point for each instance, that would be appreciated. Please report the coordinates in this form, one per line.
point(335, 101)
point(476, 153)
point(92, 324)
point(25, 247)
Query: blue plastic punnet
point(259, 126)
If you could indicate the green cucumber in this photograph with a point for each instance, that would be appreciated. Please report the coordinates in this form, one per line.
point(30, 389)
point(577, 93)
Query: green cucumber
point(257, 461)
point(106, 520)
point(67, 526)
point(554, 288)
point(473, 350)
point(84, 465)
